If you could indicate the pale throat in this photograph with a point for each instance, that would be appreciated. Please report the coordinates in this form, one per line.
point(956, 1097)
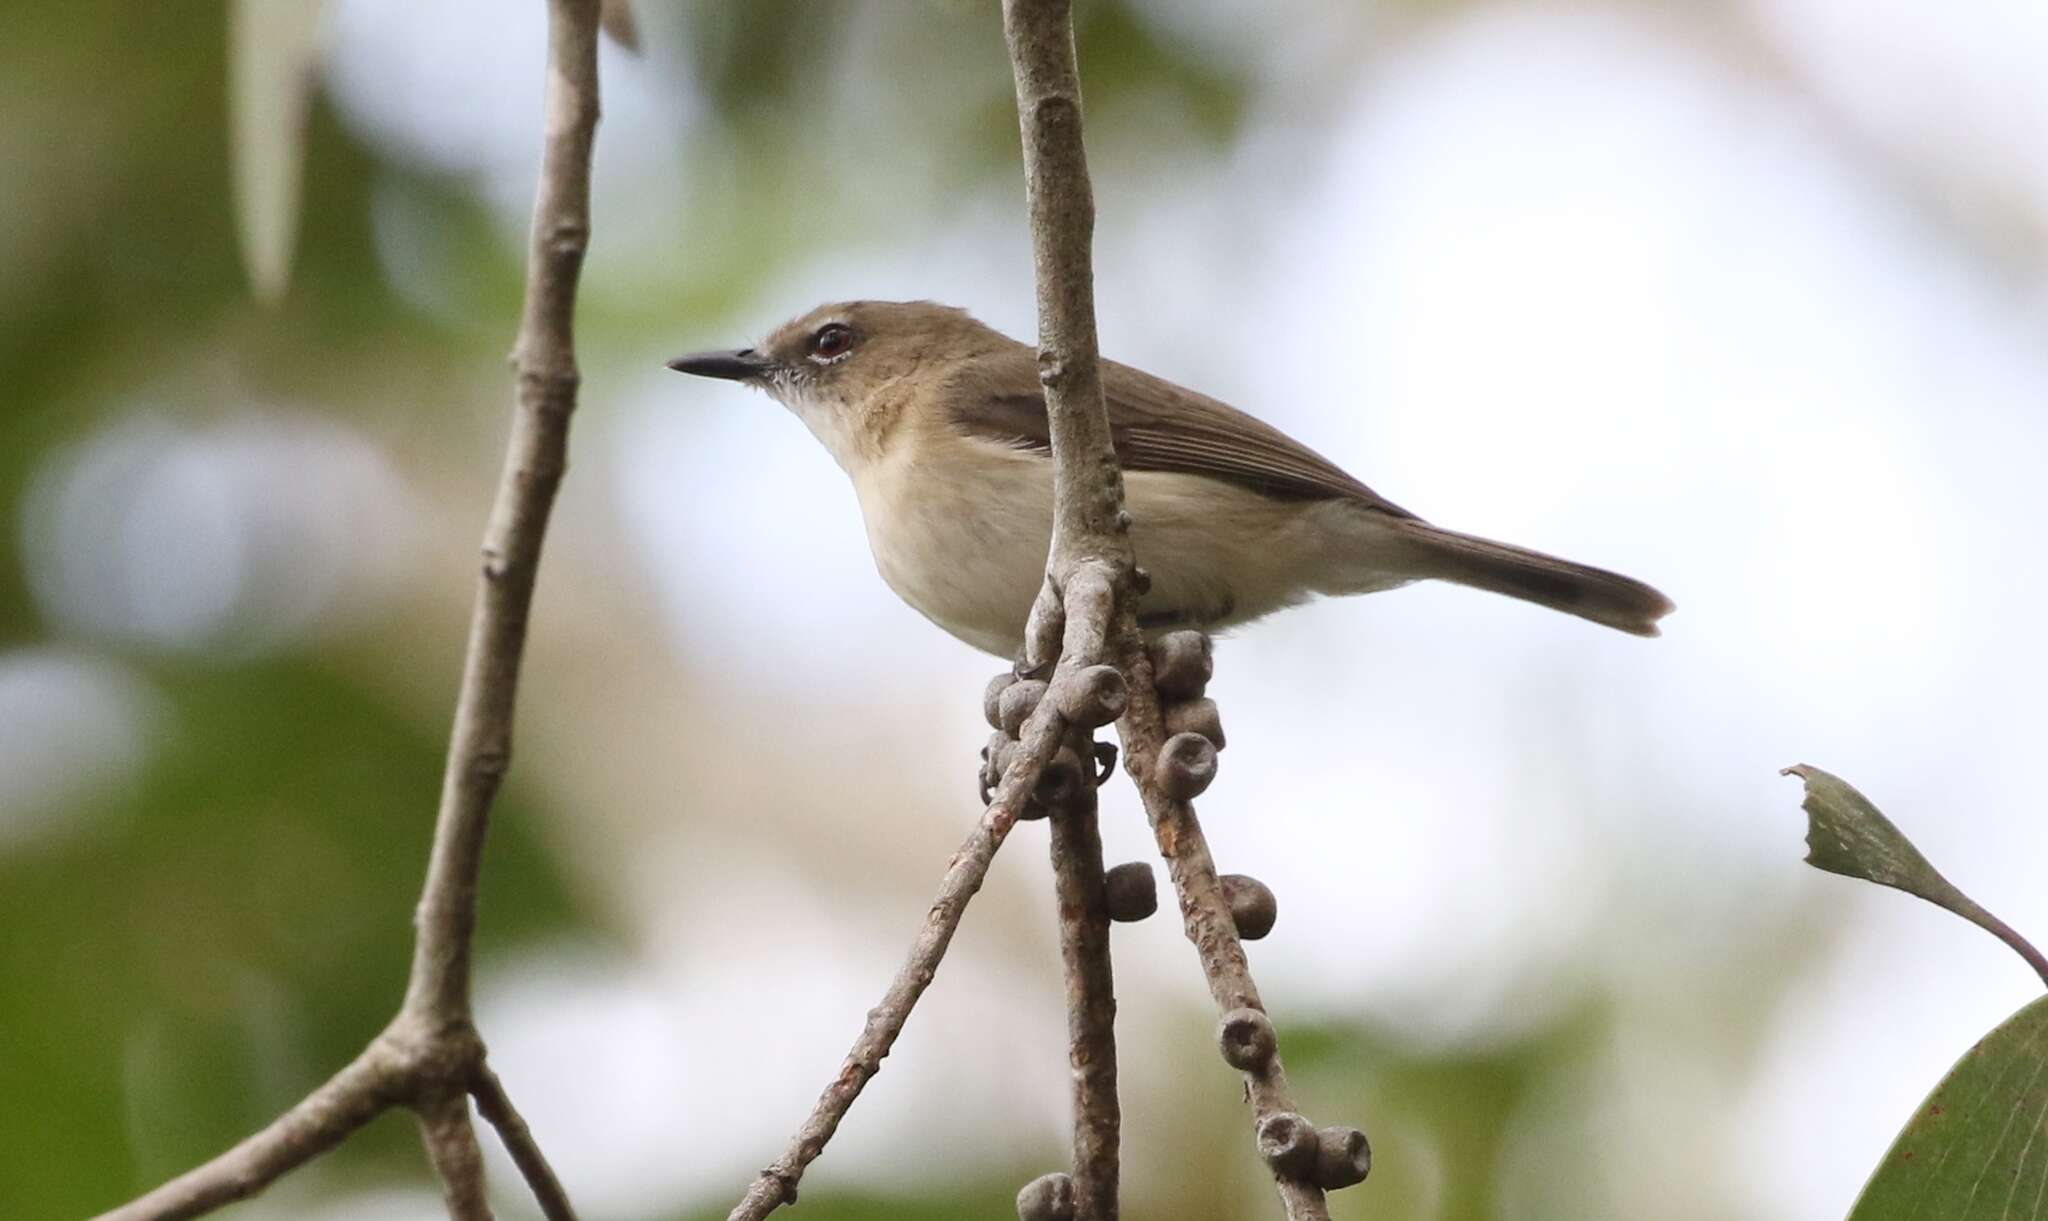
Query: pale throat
point(839, 427)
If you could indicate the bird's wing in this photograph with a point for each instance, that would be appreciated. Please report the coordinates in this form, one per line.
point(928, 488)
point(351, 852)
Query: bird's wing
point(1158, 426)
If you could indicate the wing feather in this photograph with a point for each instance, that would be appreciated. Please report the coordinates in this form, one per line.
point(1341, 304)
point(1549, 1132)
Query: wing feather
point(1158, 426)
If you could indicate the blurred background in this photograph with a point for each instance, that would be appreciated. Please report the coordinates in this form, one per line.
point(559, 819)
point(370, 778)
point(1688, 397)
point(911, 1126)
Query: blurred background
point(1744, 298)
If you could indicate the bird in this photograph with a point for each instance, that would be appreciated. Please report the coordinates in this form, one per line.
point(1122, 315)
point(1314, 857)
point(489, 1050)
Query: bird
point(940, 422)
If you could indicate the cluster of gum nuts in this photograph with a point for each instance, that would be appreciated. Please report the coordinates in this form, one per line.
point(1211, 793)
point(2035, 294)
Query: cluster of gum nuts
point(1330, 1157)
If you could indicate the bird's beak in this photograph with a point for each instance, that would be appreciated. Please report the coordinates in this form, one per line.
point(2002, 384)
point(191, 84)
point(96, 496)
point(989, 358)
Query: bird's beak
point(738, 365)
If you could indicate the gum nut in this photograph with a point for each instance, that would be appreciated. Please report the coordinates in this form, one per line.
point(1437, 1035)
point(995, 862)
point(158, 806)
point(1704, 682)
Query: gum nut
point(1246, 1039)
point(1016, 704)
point(1196, 716)
point(1288, 1143)
point(1181, 664)
point(1130, 892)
point(1094, 696)
point(1252, 905)
point(1186, 765)
point(1049, 1197)
point(991, 699)
point(1342, 1158)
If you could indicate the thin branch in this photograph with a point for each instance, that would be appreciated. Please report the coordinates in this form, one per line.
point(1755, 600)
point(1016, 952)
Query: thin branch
point(544, 355)
point(450, 1138)
point(320, 1121)
point(1091, 1000)
point(1089, 495)
point(1088, 490)
point(1039, 739)
point(495, 1105)
point(1205, 913)
point(1090, 563)
point(430, 1057)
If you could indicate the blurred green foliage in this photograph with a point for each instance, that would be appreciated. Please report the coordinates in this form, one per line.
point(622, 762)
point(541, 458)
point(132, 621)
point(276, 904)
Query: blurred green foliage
point(219, 941)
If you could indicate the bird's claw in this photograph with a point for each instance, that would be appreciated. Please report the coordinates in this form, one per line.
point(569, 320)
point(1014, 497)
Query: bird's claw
point(1105, 762)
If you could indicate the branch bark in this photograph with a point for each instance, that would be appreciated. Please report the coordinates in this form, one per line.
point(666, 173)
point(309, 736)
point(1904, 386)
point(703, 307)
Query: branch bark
point(1092, 525)
point(1205, 913)
point(1039, 739)
point(450, 1139)
point(495, 1105)
point(1091, 560)
point(430, 1058)
point(1091, 1000)
point(1079, 611)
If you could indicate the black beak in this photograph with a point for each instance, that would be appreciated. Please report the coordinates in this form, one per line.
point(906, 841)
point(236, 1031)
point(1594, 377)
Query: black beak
point(739, 365)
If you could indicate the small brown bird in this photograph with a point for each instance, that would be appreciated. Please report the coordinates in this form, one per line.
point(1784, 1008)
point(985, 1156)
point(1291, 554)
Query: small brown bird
point(940, 421)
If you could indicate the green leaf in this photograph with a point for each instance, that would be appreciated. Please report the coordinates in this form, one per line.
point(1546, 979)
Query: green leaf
point(1977, 1149)
point(271, 50)
point(1846, 834)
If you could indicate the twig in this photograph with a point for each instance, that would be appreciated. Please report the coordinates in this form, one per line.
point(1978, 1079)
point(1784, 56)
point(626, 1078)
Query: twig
point(430, 1057)
point(496, 1107)
point(1080, 609)
point(1091, 1001)
point(320, 1121)
point(1089, 496)
point(1039, 739)
point(1091, 550)
point(452, 1149)
point(1088, 489)
point(1204, 911)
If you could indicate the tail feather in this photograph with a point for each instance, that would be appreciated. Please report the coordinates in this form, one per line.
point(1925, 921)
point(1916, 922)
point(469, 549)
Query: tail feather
point(1604, 597)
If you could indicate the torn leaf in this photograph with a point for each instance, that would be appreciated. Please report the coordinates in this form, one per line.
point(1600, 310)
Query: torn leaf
point(1846, 834)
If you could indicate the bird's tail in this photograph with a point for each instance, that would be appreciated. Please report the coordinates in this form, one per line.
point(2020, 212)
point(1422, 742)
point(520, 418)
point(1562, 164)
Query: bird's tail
point(1576, 589)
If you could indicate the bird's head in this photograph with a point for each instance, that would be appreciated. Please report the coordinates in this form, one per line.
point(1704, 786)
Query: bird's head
point(850, 370)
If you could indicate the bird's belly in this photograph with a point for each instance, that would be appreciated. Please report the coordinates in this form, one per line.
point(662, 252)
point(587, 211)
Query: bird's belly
point(969, 554)
point(1218, 554)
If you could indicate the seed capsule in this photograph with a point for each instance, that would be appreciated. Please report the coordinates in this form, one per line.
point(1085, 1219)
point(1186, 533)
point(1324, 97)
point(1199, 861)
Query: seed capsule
point(991, 698)
point(1049, 1197)
point(1246, 1039)
point(1187, 763)
point(1289, 1144)
point(1252, 905)
point(1093, 697)
point(1181, 664)
point(1016, 704)
point(1343, 1157)
point(1130, 892)
point(1196, 716)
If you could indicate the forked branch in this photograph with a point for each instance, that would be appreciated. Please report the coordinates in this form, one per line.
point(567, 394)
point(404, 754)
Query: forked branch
point(1086, 616)
point(430, 1058)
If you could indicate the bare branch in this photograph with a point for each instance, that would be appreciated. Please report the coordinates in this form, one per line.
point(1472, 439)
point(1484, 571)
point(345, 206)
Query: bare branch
point(480, 750)
point(495, 1105)
point(323, 1119)
point(1204, 911)
point(1088, 497)
point(430, 1056)
point(777, 1184)
point(1088, 493)
point(1091, 562)
point(1091, 1002)
point(1090, 558)
point(451, 1147)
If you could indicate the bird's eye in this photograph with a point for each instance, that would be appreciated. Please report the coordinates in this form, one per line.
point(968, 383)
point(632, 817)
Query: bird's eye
point(832, 341)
